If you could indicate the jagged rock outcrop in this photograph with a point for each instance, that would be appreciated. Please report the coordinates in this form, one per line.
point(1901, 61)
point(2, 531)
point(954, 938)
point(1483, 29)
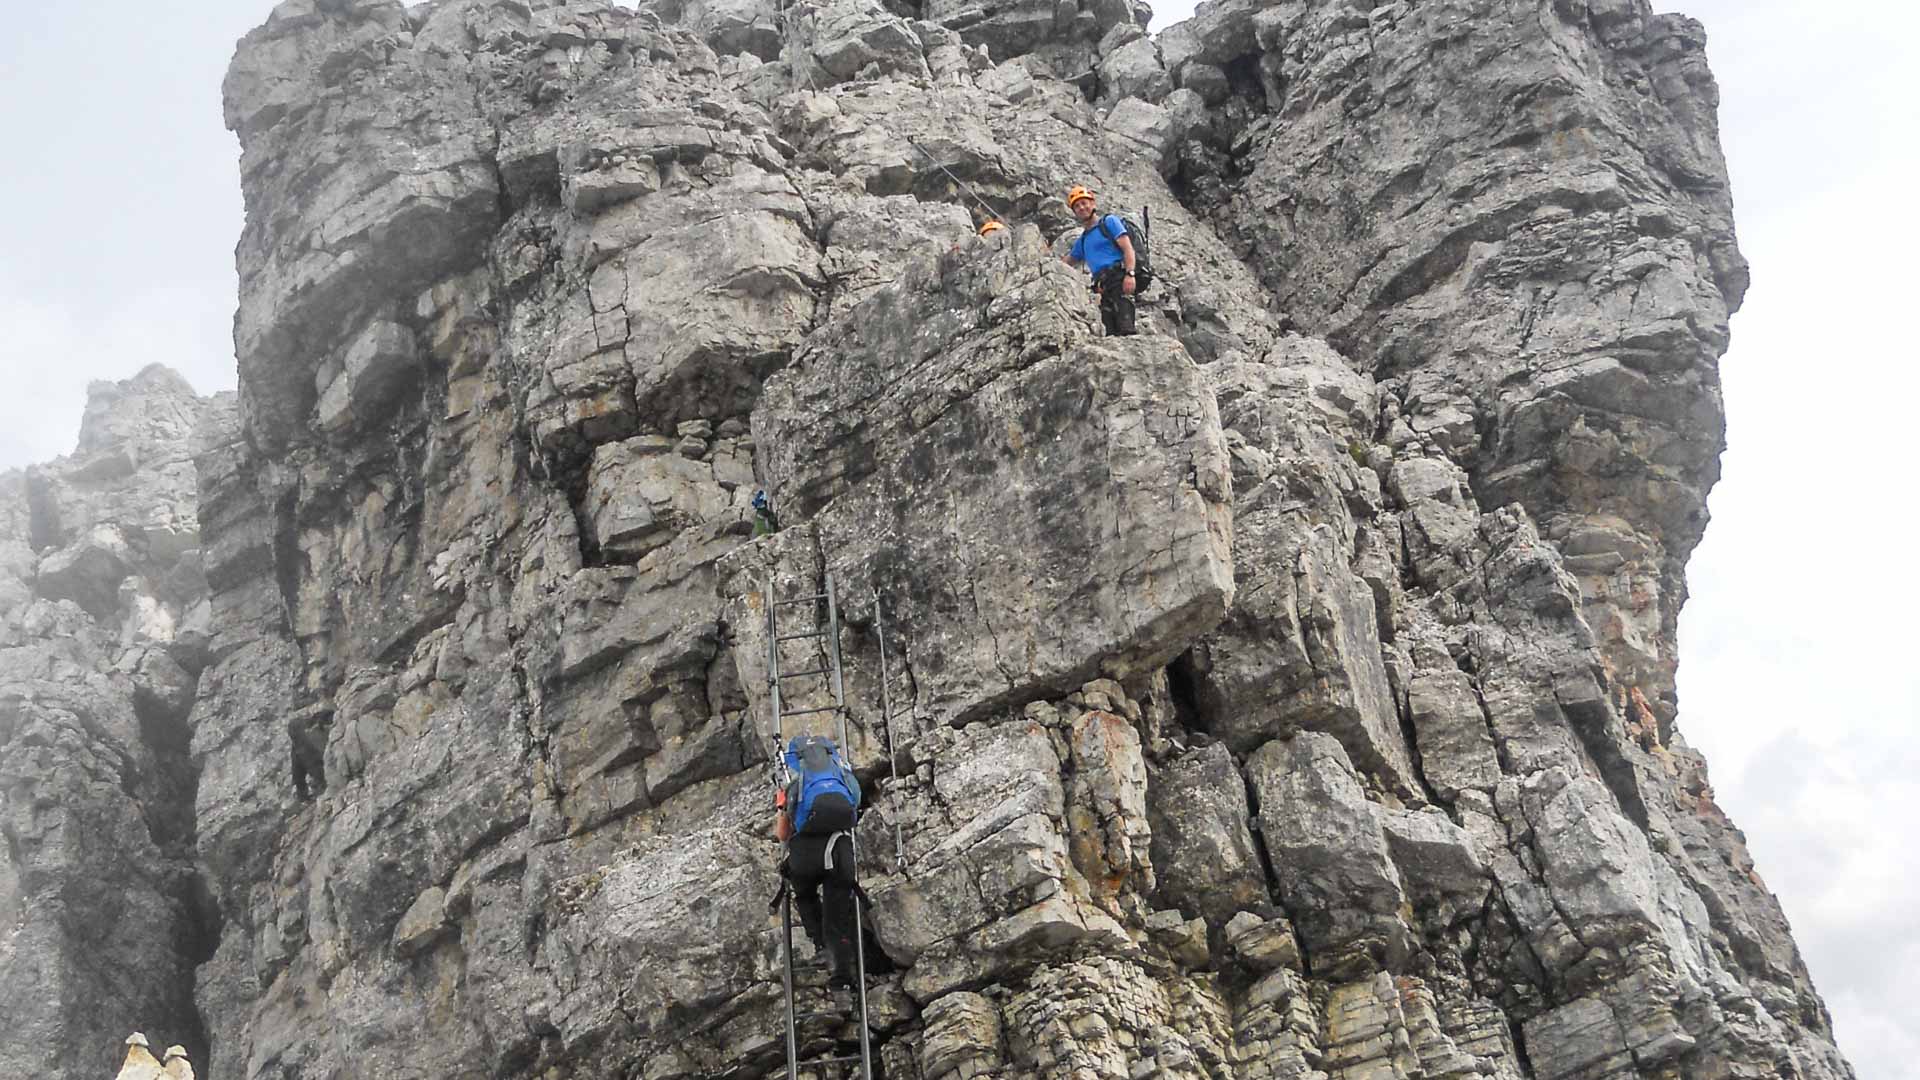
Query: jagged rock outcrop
point(1285, 692)
point(103, 629)
point(1524, 231)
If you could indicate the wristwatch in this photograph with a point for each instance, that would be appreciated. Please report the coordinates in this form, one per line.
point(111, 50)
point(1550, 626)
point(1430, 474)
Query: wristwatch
point(1129, 273)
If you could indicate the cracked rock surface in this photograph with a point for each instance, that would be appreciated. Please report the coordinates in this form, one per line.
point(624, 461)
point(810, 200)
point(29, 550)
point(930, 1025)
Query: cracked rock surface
point(103, 638)
point(1285, 692)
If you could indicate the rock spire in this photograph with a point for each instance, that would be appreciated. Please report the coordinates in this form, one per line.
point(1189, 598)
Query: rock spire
point(1286, 692)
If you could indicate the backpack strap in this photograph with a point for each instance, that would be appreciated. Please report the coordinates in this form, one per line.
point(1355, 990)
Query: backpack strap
point(1104, 231)
point(833, 841)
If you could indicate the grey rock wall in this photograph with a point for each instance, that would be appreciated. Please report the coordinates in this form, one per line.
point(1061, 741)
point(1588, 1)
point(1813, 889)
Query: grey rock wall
point(1283, 693)
point(1515, 215)
point(103, 631)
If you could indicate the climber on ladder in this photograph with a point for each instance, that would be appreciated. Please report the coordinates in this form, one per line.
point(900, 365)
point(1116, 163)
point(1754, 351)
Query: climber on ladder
point(817, 805)
point(815, 816)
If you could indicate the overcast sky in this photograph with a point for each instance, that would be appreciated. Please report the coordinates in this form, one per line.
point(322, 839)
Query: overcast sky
point(1798, 673)
point(1799, 677)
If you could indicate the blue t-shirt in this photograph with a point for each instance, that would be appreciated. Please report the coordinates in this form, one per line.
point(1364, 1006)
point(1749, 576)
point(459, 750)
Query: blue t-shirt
point(1093, 247)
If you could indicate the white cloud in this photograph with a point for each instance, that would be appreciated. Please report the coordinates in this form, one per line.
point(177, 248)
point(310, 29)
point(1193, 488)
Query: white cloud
point(43, 398)
point(51, 351)
point(1797, 665)
point(1165, 15)
point(122, 204)
point(1825, 817)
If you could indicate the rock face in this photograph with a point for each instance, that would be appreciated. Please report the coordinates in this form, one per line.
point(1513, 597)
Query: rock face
point(1525, 234)
point(1285, 692)
point(103, 631)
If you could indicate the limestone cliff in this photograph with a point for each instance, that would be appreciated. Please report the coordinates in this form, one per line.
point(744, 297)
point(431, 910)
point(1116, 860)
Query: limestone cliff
point(104, 631)
point(1284, 692)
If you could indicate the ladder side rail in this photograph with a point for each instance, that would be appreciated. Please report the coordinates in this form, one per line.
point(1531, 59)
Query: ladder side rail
point(833, 661)
point(860, 965)
point(779, 779)
point(793, 1041)
point(773, 673)
point(853, 837)
point(886, 719)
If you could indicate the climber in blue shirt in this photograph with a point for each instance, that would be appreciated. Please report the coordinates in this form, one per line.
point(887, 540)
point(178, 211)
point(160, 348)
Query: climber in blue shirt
point(1106, 250)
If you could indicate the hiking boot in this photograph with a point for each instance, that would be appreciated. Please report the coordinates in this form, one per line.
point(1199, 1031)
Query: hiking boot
point(841, 979)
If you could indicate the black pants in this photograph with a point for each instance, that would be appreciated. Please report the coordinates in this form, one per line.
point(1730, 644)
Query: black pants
point(830, 924)
point(1116, 307)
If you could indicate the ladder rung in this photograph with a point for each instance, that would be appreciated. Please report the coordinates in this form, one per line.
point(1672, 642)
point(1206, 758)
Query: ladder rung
point(797, 637)
point(797, 1017)
point(805, 712)
point(800, 600)
point(847, 1060)
point(804, 674)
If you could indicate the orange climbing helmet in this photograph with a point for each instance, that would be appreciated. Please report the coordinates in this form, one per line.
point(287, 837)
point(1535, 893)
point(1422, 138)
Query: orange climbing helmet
point(992, 227)
point(1077, 192)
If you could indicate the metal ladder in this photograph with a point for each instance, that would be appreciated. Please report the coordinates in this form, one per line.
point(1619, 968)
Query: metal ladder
point(886, 721)
point(837, 685)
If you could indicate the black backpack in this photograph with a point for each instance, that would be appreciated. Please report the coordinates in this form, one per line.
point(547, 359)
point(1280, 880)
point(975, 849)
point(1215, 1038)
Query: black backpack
point(1142, 260)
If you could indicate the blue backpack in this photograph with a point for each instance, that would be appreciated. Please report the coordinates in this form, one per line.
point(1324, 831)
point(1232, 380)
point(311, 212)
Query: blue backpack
point(823, 796)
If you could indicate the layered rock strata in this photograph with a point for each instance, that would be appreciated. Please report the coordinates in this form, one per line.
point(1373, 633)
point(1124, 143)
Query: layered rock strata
point(1284, 692)
point(1517, 219)
point(104, 627)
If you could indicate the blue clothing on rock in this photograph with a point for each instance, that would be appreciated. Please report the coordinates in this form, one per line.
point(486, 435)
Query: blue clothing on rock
point(1095, 249)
